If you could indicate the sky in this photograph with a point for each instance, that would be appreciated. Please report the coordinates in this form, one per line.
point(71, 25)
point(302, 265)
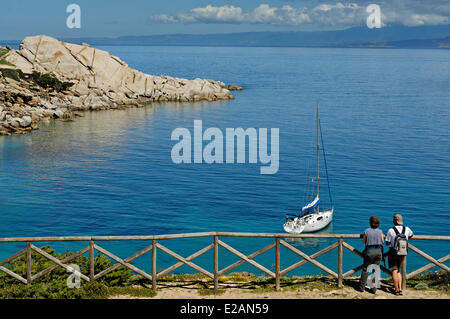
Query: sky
point(113, 18)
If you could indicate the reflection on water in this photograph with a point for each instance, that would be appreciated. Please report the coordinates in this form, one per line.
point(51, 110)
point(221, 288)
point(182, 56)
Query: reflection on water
point(105, 128)
point(174, 107)
point(312, 242)
point(86, 141)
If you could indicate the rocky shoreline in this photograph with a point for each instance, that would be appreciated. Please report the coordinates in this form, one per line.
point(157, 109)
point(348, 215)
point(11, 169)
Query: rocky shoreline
point(48, 79)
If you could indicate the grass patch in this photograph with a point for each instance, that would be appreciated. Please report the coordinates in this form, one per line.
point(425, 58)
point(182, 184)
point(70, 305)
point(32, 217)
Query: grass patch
point(310, 283)
point(4, 62)
point(134, 291)
point(14, 74)
point(3, 51)
point(239, 277)
point(46, 81)
point(438, 280)
point(184, 278)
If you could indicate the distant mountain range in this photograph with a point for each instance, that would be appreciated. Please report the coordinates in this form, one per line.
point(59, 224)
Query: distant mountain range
point(395, 36)
point(443, 43)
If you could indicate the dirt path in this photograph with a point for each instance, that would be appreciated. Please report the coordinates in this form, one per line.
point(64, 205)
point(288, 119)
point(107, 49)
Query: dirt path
point(191, 291)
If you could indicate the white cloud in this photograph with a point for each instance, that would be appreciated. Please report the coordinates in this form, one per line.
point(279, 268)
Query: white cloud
point(339, 14)
point(418, 14)
point(425, 19)
point(227, 14)
point(265, 14)
point(334, 14)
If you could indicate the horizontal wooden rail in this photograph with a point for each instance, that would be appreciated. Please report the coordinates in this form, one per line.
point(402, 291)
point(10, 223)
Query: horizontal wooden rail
point(194, 235)
point(155, 245)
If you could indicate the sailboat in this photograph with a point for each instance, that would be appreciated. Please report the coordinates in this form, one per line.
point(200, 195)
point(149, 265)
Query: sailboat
point(312, 217)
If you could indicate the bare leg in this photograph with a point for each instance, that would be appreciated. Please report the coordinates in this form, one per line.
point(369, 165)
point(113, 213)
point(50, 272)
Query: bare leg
point(395, 279)
point(399, 281)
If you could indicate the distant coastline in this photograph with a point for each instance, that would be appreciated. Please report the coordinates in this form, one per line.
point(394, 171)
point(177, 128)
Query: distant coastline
point(427, 37)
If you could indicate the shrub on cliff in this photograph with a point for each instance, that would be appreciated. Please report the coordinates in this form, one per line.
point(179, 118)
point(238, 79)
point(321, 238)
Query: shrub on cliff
point(4, 62)
point(48, 81)
point(14, 74)
point(3, 51)
point(54, 284)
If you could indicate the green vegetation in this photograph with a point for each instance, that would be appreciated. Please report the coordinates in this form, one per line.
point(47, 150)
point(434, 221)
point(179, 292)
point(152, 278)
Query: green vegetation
point(4, 62)
point(438, 280)
point(184, 278)
point(3, 51)
point(46, 81)
point(54, 284)
point(14, 74)
point(133, 291)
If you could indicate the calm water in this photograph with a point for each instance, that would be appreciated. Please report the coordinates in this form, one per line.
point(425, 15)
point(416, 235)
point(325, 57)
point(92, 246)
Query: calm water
point(385, 117)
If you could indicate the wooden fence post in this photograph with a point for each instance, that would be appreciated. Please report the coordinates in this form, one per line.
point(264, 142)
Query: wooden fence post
point(28, 263)
point(277, 264)
point(91, 261)
point(216, 262)
point(340, 261)
point(154, 265)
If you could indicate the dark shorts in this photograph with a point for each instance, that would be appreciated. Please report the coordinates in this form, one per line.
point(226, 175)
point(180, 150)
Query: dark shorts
point(395, 261)
point(371, 256)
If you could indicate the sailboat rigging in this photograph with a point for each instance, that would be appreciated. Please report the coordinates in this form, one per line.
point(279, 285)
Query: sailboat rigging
point(313, 219)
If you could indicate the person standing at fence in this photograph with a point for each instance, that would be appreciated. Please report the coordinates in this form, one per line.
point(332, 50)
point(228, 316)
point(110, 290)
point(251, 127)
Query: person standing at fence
point(373, 238)
point(396, 239)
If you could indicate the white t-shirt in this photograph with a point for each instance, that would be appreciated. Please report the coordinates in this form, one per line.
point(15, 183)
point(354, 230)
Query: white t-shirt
point(390, 236)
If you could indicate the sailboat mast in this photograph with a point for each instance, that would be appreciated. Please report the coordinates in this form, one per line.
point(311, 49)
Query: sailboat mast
point(317, 120)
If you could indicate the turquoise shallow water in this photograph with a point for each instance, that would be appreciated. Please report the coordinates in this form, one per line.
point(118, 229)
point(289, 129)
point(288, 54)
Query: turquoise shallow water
point(385, 117)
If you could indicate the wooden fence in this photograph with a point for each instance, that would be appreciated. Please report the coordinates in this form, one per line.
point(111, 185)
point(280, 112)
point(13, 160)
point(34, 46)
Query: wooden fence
point(217, 240)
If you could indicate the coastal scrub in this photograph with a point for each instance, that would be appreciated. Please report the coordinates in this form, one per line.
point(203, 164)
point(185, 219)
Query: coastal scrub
point(3, 52)
point(54, 284)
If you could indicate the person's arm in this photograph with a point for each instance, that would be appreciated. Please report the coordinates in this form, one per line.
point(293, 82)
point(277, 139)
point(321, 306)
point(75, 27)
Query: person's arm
point(382, 238)
point(388, 238)
point(364, 238)
point(412, 234)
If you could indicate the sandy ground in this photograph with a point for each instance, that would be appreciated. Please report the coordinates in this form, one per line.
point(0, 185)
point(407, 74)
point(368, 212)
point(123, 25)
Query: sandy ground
point(190, 291)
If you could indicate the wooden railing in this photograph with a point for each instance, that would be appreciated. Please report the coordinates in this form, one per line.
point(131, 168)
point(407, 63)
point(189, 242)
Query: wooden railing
point(215, 243)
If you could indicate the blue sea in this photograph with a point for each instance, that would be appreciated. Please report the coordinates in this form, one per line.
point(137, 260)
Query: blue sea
point(385, 116)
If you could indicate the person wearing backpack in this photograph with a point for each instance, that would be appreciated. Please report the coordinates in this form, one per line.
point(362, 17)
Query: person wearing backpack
point(373, 238)
point(397, 240)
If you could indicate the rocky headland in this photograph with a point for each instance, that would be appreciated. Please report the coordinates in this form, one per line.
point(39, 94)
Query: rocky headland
point(47, 78)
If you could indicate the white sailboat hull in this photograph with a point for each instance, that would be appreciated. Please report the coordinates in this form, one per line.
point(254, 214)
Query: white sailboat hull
point(309, 223)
